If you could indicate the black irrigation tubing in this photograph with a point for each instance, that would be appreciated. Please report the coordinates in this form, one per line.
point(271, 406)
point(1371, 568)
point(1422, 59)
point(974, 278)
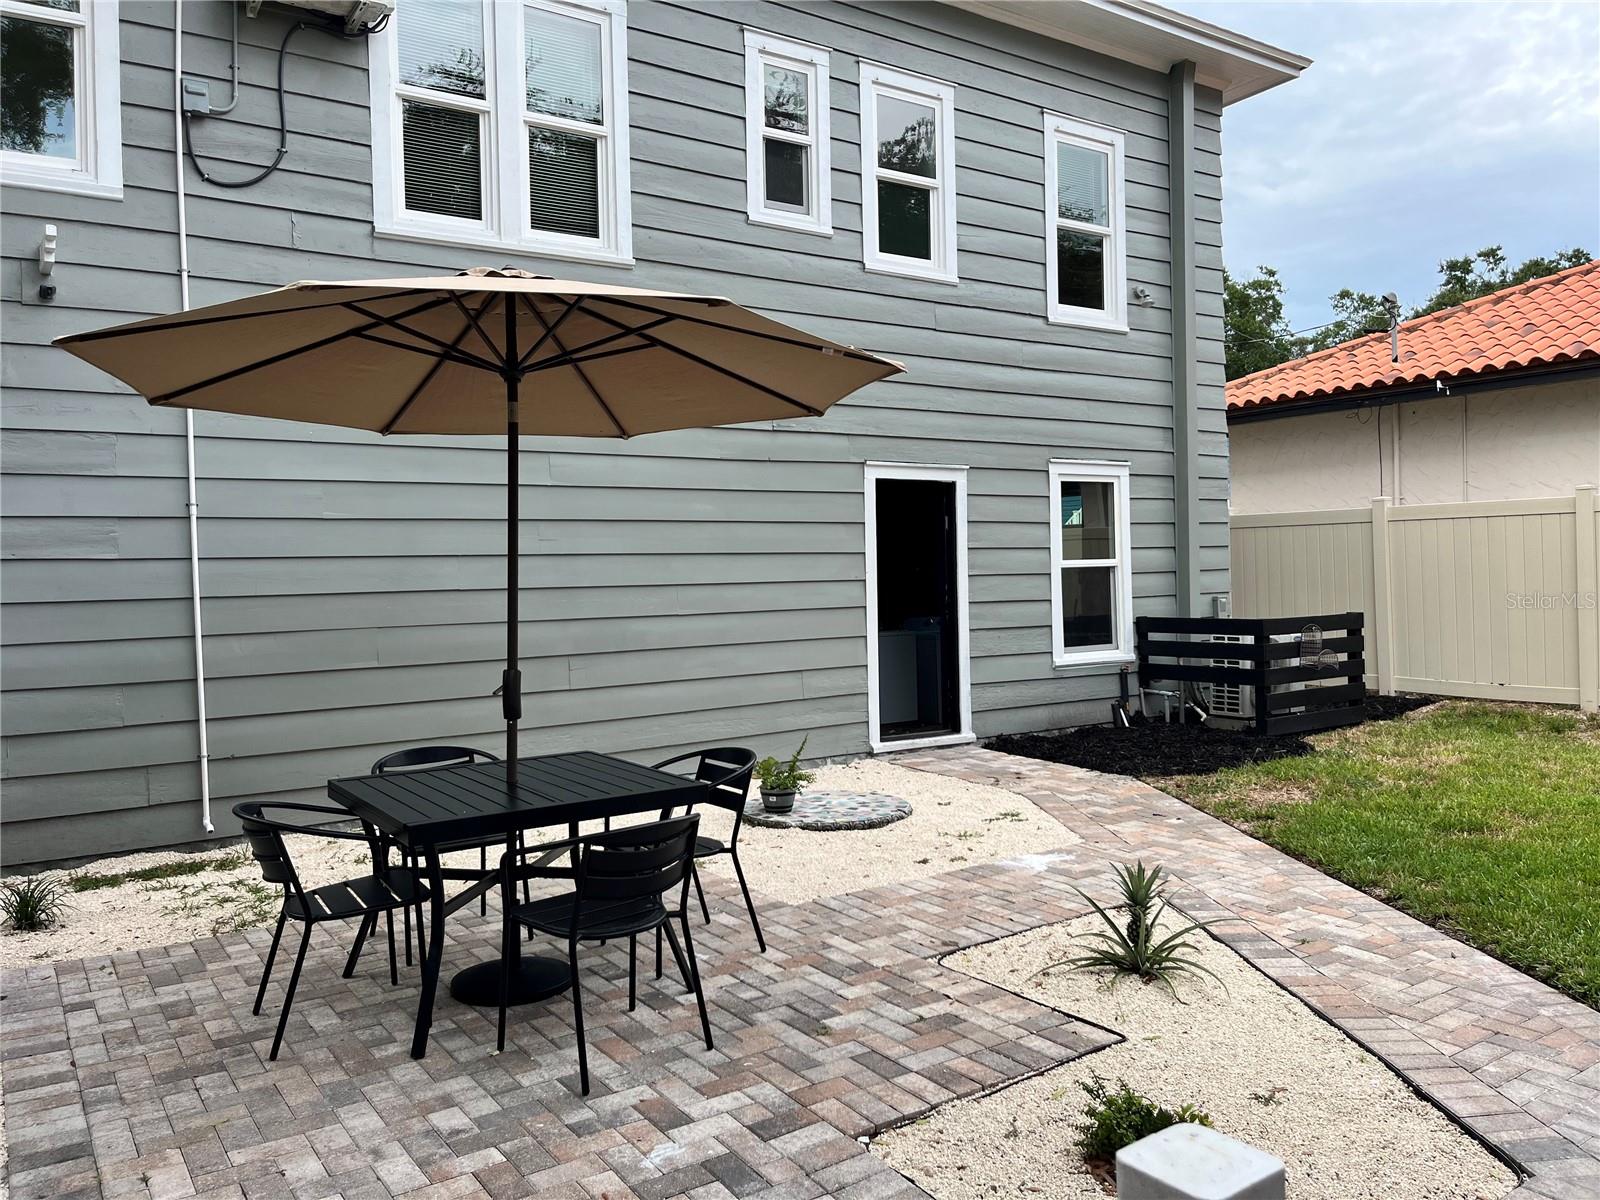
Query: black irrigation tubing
point(1502, 1156)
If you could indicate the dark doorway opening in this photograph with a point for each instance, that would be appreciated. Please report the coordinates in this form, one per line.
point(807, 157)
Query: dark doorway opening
point(919, 667)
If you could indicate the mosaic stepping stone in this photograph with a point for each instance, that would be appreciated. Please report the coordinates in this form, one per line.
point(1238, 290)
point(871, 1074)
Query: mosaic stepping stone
point(824, 810)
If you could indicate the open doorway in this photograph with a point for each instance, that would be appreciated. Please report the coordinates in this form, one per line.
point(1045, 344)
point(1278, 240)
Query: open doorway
point(917, 605)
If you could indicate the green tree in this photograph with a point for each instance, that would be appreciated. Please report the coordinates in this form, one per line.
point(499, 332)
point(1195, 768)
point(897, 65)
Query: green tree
point(1486, 271)
point(1255, 331)
point(1354, 315)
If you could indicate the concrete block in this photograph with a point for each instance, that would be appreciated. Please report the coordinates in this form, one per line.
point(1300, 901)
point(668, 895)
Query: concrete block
point(1192, 1162)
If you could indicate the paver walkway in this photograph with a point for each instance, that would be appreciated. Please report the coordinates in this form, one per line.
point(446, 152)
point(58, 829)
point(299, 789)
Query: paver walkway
point(142, 1074)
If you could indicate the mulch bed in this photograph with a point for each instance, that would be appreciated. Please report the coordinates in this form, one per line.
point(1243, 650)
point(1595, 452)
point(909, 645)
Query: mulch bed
point(1154, 749)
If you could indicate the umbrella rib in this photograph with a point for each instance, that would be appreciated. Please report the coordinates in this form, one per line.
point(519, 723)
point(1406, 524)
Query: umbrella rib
point(573, 355)
point(594, 392)
point(438, 365)
point(483, 364)
point(711, 366)
point(572, 360)
point(273, 360)
point(844, 351)
point(472, 319)
point(445, 355)
point(549, 331)
point(123, 331)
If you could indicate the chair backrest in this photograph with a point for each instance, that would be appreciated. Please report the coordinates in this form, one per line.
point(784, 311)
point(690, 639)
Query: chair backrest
point(417, 757)
point(636, 862)
point(266, 844)
point(728, 770)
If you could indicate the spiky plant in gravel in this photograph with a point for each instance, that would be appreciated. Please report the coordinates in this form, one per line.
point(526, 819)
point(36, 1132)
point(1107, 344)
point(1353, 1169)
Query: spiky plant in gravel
point(33, 902)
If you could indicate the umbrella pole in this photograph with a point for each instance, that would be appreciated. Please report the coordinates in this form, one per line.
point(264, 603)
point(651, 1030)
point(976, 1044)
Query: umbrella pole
point(511, 681)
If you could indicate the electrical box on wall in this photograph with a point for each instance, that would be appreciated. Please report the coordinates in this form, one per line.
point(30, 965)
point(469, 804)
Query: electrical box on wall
point(356, 14)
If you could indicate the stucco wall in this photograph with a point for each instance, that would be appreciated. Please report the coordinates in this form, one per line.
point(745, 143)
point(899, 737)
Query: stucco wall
point(1539, 440)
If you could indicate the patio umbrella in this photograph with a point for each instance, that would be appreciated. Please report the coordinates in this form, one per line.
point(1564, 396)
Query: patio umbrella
point(482, 352)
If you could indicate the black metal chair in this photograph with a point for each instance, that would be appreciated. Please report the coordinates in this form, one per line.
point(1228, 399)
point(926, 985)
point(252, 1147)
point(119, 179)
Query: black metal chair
point(385, 890)
point(726, 771)
point(419, 758)
point(619, 881)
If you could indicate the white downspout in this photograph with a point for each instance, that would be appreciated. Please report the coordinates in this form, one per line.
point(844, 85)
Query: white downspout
point(193, 504)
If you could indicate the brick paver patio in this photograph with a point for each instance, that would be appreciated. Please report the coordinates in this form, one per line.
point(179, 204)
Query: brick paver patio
point(143, 1074)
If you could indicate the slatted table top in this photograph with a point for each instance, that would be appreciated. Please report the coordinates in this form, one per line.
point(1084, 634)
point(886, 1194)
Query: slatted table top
point(446, 804)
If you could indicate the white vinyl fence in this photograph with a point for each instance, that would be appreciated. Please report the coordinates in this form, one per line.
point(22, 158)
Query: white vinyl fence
point(1497, 599)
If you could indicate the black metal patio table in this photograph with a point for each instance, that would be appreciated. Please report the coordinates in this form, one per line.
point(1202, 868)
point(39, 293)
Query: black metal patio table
point(422, 810)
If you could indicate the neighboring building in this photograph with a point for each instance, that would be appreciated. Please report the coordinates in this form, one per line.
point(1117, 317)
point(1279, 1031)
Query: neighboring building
point(954, 553)
point(1497, 399)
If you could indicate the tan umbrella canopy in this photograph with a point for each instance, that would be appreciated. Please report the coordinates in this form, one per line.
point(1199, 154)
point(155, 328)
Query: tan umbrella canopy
point(455, 355)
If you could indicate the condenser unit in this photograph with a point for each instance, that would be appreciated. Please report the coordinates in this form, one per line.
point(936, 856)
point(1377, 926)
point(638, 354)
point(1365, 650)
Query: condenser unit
point(1235, 703)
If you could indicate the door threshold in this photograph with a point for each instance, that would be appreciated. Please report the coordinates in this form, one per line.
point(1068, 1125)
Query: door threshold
point(927, 743)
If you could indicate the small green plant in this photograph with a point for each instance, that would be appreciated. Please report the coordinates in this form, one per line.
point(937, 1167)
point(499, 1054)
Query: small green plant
point(778, 776)
point(1131, 946)
point(86, 882)
point(33, 902)
point(1120, 1117)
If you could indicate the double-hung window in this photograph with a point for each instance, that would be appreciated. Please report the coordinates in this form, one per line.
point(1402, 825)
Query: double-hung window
point(61, 106)
point(908, 183)
point(504, 124)
point(786, 133)
point(1085, 231)
point(1091, 589)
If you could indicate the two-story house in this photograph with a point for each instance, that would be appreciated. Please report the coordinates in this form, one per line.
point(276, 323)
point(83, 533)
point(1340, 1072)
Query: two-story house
point(1019, 201)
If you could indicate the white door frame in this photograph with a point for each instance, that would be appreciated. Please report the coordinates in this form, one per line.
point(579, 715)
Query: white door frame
point(939, 474)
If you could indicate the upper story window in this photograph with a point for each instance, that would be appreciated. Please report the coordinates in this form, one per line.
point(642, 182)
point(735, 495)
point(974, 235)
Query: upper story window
point(908, 183)
point(61, 107)
point(786, 133)
point(1085, 231)
point(1091, 580)
point(504, 124)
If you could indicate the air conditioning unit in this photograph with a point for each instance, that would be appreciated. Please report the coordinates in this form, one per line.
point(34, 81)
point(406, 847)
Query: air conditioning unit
point(1234, 704)
point(357, 15)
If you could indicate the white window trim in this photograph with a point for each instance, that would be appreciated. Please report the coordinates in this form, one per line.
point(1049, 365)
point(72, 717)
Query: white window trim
point(505, 225)
point(811, 61)
point(97, 171)
point(942, 96)
point(957, 475)
point(1109, 142)
point(1095, 471)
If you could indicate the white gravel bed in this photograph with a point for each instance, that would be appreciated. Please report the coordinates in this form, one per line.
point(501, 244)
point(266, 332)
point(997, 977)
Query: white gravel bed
point(953, 824)
point(1266, 1069)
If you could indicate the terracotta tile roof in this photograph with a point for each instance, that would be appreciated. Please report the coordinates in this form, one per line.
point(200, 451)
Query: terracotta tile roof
point(1544, 322)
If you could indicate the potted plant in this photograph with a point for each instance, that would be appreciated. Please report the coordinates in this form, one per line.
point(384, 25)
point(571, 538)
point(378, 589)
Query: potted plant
point(781, 780)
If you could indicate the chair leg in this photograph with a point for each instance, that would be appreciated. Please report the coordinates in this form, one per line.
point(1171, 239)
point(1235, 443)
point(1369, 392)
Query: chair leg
point(483, 865)
point(701, 892)
point(272, 954)
point(405, 861)
point(577, 1017)
point(755, 922)
point(394, 970)
point(507, 947)
point(422, 937)
point(288, 996)
point(633, 971)
point(658, 952)
point(527, 891)
point(369, 922)
point(677, 952)
point(699, 991)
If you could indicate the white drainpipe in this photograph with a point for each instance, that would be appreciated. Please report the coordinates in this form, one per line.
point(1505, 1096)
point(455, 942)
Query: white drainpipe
point(193, 504)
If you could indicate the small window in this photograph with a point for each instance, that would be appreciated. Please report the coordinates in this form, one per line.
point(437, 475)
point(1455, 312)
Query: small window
point(908, 202)
point(786, 133)
point(1091, 597)
point(1085, 251)
point(504, 124)
point(61, 106)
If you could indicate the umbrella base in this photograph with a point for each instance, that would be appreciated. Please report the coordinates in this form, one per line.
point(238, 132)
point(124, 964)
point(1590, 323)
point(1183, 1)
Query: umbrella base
point(532, 980)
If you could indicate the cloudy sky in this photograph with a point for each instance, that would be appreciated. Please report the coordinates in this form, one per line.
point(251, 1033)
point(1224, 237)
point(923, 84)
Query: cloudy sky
point(1421, 131)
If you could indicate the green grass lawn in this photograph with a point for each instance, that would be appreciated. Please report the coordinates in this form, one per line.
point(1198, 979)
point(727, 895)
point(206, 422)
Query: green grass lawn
point(1481, 819)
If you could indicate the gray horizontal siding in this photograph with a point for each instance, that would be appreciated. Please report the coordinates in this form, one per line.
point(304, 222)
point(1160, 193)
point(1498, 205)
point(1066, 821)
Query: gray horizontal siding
point(690, 587)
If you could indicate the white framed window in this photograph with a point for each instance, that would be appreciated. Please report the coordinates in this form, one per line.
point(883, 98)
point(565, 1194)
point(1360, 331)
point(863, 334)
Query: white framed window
point(61, 115)
point(505, 125)
point(1086, 254)
point(1091, 576)
point(786, 134)
point(908, 180)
